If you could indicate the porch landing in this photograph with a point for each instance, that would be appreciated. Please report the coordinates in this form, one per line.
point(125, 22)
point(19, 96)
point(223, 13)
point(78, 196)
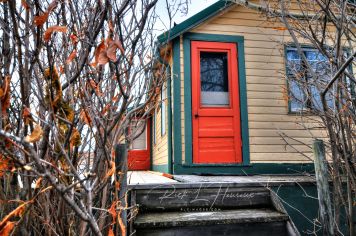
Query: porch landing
point(151, 178)
point(255, 180)
point(147, 177)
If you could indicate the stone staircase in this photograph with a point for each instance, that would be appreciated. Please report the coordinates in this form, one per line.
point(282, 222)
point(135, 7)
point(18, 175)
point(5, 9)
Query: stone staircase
point(207, 209)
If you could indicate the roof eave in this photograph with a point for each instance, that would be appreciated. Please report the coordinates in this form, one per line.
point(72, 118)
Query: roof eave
point(194, 21)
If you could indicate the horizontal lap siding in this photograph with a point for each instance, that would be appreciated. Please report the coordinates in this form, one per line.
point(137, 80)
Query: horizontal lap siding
point(160, 148)
point(274, 135)
point(182, 99)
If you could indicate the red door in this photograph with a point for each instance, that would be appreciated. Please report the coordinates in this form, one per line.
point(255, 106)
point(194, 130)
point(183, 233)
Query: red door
point(215, 103)
point(139, 152)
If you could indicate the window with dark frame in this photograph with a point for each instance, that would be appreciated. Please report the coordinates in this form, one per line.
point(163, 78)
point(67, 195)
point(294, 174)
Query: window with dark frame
point(304, 90)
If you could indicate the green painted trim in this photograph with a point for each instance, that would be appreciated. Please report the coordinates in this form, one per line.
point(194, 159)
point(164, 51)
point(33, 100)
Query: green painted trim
point(253, 169)
point(177, 140)
point(161, 168)
point(301, 203)
point(169, 110)
point(239, 40)
point(188, 127)
point(194, 20)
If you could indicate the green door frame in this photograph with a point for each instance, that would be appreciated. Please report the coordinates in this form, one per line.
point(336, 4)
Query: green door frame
point(188, 167)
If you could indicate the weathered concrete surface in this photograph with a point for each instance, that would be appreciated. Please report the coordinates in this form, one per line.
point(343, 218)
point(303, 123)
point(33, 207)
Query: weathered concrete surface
point(255, 179)
point(174, 219)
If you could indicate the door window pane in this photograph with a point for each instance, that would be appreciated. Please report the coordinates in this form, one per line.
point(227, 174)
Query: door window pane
point(214, 79)
point(138, 129)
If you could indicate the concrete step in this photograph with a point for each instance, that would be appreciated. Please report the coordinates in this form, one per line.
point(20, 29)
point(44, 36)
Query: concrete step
point(203, 198)
point(225, 222)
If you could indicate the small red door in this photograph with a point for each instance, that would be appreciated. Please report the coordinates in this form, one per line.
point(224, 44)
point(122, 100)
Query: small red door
point(215, 103)
point(139, 151)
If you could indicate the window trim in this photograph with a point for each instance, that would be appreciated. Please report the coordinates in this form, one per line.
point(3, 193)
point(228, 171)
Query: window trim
point(306, 111)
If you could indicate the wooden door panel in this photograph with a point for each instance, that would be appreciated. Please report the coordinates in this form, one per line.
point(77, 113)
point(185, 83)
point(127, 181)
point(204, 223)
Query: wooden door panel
point(140, 159)
point(216, 118)
point(216, 150)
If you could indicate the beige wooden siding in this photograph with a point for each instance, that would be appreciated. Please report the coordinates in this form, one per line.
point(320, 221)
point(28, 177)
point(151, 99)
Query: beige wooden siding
point(160, 148)
point(270, 125)
point(182, 98)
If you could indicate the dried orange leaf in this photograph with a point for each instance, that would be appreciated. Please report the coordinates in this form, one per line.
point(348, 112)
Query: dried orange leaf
point(5, 98)
point(280, 28)
point(38, 182)
point(48, 33)
point(17, 212)
point(9, 226)
point(112, 211)
point(111, 232)
point(41, 19)
point(111, 51)
point(111, 171)
point(75, 139)
point(115, 98)
point(111, 26)
point(106, 108)
point(96, 87)
point(35, 135)
point(26, 112)
point(119, 44)
point(103, 58)
point(71, 56)
point(61, 69)
point(99, 51)
point(84, 116)
point(25, 5)
point(4, 165)
point(26, 115)
point(74, 39)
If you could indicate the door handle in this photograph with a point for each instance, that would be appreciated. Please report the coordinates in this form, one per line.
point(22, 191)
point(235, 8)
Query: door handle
point(196, 115)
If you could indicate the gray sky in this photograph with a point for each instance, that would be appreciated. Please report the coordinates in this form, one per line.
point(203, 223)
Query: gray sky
point(194, 7)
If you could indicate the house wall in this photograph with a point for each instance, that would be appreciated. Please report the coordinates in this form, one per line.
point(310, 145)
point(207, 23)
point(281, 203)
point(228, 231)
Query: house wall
point(266, 89)
point(160, 147)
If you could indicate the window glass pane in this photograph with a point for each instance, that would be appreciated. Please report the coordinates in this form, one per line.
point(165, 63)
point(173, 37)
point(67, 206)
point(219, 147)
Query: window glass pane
point(214, 79)
point(293, 62)
point(138, 128)
point(317, 104)
point(315, 96)
point(319, 63)
point(304, 92)
point(296, 96)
